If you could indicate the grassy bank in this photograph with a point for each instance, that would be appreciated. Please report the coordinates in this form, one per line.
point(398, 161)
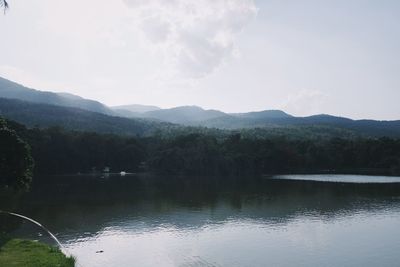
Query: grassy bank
point(26, 253)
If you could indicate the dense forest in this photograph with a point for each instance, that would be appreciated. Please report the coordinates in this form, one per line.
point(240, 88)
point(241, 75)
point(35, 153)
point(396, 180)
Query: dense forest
point(58, 151)
point(16, 163)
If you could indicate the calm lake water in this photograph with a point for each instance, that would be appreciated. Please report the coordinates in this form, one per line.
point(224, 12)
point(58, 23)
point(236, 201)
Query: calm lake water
point(264, 221)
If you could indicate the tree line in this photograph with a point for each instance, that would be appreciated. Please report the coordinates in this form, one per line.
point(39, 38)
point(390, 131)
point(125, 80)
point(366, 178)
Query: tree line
point(58, 151)
point(235, 155)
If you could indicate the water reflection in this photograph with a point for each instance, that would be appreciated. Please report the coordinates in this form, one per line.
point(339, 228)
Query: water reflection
point(341, 178)
point(211, 221)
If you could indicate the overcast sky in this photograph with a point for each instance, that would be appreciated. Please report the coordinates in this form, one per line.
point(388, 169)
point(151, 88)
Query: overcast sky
point(340, 57)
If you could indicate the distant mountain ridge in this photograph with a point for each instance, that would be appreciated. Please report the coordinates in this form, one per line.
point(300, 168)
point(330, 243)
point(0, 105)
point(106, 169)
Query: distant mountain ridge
point(152, 115)
point(12, 90)
point(188, 115)
point(263, 114)
point(45, 115)
point(137, 108)
point(195, 115)
point(133, 111)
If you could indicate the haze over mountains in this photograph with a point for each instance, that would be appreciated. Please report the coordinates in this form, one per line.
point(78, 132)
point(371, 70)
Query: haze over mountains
point(33, 107)
point(9, 89)
point(136, 108)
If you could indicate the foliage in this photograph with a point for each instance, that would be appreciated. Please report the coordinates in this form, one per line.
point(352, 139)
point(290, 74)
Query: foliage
point(16, 163)
point(208, 153)
point(59, 151)
point(198, 154)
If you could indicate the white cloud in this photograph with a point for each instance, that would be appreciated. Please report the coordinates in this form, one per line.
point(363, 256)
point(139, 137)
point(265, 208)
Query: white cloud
point(156, 29)
point(189, 39)
point(195, 36)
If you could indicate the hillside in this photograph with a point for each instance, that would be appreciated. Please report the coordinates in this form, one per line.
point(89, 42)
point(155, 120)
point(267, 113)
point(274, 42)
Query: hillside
point(85, 114)
point(264, 114)
point(136, 108)
point(270, 119)
point(12, 90)
point(187, 115)
point(44, 115)
point(364, 127)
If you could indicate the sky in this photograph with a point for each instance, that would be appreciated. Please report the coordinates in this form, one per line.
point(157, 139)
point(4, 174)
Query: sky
point(339, 57)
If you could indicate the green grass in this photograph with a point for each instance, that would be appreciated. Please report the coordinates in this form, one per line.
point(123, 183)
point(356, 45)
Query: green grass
point(26, 253)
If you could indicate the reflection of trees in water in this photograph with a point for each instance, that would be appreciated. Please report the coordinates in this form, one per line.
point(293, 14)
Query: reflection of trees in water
point(139, 203)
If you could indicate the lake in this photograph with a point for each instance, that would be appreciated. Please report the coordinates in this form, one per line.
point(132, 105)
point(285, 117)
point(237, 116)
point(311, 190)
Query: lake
point(210, 221)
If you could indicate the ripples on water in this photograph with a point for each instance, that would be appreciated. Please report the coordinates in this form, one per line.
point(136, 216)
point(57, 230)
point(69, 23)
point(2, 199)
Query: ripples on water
point(164, 221)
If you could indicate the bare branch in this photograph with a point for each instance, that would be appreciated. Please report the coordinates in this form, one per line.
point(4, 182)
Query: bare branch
point(4, 4)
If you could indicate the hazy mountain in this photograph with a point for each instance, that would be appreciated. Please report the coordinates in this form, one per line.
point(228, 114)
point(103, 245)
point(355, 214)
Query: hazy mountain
point(248, 120)
point(149, 117)
point(265, 114)
point(133, 111)
point(44, 115)
point(194, 115)
point(188, 115)
point(136, 108)
point(366, 127)
point(12, 90)
point(126, 113)
point(369, 127)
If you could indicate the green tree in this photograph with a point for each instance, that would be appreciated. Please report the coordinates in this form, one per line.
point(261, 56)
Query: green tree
point(16, 163)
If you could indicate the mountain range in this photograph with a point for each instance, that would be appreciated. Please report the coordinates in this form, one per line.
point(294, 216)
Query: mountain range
point(42, 108)
point(9, 89)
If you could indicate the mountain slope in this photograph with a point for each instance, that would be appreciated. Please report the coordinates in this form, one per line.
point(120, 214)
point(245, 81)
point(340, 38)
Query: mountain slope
point(270, 119)
point(136, 108)
point(264, 114)
point(70, 111)
point(43, 115)
point(365, 127)
point(12, 90)
point(188, 115)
